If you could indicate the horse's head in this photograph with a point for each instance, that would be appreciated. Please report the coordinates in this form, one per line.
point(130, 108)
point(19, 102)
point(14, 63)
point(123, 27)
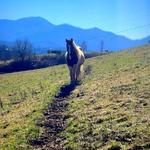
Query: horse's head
point(69, 45)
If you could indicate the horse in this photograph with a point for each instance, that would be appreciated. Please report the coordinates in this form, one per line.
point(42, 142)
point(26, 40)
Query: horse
point(75, 59)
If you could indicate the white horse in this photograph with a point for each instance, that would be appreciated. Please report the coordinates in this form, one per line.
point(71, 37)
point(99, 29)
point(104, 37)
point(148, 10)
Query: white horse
point(75, 58)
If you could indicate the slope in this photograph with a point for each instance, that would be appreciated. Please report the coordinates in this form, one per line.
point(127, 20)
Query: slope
point(110, 110)
point(23, 98)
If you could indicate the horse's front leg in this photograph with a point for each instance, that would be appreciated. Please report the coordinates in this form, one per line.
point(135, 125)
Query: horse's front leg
point(74, 75)
point(71, 74)
point(77, 72)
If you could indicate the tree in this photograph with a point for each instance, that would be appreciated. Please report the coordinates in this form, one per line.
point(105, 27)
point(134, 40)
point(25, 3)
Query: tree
point(5, 53)
point(84, 46)
point(23, 50)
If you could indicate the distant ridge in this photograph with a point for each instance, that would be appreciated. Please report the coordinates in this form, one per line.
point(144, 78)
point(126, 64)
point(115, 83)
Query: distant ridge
point(44, 34)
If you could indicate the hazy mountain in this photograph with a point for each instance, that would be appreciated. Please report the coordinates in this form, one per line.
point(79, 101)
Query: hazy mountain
point(45, 34)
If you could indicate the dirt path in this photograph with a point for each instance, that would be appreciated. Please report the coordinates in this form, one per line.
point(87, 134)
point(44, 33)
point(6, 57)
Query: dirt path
point(54, 122)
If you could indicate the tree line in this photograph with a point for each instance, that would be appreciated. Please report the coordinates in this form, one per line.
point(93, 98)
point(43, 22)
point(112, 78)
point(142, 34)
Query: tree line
point(21, 56)
point(20, 51)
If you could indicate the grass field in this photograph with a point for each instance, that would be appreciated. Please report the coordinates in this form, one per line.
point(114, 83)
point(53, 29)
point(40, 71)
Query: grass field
point(24, 95)
point(109, 110)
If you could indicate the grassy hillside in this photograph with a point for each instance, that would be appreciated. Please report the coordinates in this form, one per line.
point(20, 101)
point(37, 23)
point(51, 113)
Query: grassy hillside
point(23, 96)
point(110, 109)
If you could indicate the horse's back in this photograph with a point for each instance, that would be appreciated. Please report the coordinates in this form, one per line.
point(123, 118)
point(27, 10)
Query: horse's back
point(81, 57)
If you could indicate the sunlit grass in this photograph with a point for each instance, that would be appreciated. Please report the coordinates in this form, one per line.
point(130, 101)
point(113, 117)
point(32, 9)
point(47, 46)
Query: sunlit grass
point(113, 109)
point(110, 109)
point(24, 95)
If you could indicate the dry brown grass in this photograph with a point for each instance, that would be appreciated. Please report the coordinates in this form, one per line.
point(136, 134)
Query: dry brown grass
point(114, 107)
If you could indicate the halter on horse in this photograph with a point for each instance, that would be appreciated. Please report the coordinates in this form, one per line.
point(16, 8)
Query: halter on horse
point(75, 59)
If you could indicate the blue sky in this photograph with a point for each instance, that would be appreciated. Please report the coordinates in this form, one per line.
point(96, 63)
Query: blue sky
point(125, 17)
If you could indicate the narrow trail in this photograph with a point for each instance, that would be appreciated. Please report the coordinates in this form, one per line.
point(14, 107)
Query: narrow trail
point(53, 122)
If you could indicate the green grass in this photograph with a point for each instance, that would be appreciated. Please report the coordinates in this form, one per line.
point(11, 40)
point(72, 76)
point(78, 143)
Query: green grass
point(24, 95)
point(113, 109)
point(109, 110)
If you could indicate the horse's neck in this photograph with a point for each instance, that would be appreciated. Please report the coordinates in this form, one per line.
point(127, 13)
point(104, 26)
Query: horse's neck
point(76, 49)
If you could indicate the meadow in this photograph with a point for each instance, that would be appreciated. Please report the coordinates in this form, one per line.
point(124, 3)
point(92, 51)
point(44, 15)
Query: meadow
point(24, 96)
point(109, 110)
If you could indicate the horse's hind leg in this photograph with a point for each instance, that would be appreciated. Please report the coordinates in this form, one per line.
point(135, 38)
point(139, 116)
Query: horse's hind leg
point(79, 72)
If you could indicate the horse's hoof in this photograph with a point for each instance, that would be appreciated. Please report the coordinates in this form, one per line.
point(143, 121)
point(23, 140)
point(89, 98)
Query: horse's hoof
point(74, 83)
point(78, 82)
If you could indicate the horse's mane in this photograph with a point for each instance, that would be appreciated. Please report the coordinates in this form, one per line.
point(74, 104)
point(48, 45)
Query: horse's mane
point(76, 46)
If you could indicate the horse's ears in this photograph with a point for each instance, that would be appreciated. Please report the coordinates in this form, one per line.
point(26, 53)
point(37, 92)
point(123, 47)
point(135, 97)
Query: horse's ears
point(71, 39)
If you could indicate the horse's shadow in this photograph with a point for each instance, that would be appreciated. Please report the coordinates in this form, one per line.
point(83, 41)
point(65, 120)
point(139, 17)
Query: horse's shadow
point(65, 90)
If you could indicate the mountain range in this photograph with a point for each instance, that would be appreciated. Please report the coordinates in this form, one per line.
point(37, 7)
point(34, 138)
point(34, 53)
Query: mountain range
point(44, 34)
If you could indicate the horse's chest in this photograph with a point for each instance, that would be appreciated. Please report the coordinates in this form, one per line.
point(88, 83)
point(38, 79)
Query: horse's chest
point(72, 60)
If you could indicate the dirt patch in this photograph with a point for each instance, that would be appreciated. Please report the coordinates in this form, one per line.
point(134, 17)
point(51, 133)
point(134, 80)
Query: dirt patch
point(54, 122)
point(87, 70)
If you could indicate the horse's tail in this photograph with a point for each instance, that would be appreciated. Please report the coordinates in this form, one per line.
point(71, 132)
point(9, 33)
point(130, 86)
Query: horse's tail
point(81, 68)
point(82, 71)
